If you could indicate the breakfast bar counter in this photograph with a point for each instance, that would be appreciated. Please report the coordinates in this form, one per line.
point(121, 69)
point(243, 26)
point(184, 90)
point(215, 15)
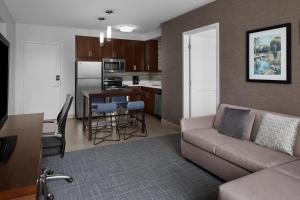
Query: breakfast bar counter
point(88, 95)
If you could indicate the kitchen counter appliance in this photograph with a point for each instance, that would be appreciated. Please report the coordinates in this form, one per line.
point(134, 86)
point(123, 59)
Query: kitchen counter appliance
point(157, 104)
point(135, 80)
point(113, 83)
point(113, 65)
point(89, 75)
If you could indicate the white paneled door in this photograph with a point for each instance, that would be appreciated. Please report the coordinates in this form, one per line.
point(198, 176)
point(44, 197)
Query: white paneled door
point(201, 72)
point(41, 78)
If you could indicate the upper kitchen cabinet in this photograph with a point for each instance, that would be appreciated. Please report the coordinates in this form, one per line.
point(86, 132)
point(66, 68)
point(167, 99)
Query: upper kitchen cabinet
point(134, 55)
point(151, 56)
point(113, 49)
point(107, 49)
point(129, 55)
point(87, 48)
point(138, 55)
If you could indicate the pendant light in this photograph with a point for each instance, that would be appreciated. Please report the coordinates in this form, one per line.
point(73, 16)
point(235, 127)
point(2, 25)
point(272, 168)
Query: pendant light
point(108, 33)
point(101, 36)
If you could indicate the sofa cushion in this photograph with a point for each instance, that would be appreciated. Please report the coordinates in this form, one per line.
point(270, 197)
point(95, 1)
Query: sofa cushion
point(247, 132)
point(258, 118)
point(291, 169)
point(262, 185)
point(207, 139)
point(250, 156)
point(234, 122)
point(278, 133)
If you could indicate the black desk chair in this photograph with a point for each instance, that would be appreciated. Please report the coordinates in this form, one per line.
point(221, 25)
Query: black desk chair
point(53, 144)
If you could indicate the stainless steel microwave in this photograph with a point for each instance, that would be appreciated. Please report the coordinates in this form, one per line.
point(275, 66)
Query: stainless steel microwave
point(113, 65)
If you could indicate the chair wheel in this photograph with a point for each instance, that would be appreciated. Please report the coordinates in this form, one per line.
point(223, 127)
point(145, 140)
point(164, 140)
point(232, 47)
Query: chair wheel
point(69, 180)
point(50, 197)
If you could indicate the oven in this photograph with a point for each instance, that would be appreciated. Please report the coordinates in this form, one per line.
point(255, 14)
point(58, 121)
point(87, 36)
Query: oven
point(113, 83)
point(113, 65)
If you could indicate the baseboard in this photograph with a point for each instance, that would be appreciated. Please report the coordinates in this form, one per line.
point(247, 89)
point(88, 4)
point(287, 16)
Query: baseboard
point(169, 124)
point(71, 116)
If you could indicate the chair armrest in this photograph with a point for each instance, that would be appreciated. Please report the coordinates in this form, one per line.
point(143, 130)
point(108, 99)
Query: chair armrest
point(197, 123)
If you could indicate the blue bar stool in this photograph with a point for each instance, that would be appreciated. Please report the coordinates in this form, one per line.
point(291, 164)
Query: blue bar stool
point(96, 101)
point(105, 110)
point(121, 101)
point(131, 120)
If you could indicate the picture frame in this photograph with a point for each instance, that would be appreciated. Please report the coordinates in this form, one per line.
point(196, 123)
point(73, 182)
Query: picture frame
point(269, 54)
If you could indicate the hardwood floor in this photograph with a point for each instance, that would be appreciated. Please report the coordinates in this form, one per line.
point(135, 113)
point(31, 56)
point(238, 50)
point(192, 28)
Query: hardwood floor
point(76, 140)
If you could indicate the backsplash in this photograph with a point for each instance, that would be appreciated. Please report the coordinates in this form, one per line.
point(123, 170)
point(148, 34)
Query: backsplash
point(144, 76)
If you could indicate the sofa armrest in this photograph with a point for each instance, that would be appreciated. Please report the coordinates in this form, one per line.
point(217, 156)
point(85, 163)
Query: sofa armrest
point(197, 123)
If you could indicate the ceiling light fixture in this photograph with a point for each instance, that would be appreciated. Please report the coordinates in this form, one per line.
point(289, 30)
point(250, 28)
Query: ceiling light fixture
point(126, 28)
point(108, 33)
point(101, 36)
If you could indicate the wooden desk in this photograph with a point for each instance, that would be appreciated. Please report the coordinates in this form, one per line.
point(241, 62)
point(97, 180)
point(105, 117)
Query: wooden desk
point(19, 177)
point(87, 100)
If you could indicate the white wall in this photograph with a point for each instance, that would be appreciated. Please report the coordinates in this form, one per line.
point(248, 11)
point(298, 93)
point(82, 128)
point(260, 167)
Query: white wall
point(64, 36)
point(9, 30)
point(3, 28)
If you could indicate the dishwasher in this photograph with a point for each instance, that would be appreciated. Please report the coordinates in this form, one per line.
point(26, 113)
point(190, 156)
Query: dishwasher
point(157, 103)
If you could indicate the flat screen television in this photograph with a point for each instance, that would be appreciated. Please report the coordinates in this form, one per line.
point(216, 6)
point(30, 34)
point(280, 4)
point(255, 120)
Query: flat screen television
point(4, 70)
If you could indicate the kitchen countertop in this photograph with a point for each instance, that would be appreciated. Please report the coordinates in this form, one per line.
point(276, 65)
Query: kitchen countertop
point(149, 84)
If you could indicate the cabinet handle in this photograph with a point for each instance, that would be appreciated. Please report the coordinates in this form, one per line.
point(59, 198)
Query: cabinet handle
point(148, 67)
point(91, 53)
point(134, 67)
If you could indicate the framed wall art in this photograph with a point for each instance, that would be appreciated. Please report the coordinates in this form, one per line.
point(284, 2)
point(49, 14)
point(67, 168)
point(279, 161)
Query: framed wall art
point(269, 54)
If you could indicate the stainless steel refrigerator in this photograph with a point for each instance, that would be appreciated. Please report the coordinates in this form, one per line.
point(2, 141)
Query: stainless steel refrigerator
point(89, 75)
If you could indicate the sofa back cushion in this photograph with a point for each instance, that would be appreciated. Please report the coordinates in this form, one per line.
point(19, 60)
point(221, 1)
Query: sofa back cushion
point(248, 128)
point(278, 133)
point(258, 119)
point(234, 122)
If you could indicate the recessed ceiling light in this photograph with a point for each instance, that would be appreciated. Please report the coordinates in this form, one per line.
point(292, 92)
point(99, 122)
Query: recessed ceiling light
point(101, 18)
point(126, 28)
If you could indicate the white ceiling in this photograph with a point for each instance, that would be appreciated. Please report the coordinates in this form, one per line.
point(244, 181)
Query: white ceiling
point(147, 15)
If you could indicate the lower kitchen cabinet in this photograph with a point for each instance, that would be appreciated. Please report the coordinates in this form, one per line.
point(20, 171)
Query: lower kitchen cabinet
point(150, 99)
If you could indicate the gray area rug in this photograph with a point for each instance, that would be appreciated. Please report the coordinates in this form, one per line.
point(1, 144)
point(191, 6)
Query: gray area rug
point(145, 169)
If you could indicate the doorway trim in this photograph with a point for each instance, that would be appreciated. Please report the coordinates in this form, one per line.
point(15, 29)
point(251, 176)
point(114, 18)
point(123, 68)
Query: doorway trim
point(60, 69)
point(186, 65)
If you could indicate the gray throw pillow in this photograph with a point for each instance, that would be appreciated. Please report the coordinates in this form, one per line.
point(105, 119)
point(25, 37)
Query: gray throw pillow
point(234, 122)
point(278, 133)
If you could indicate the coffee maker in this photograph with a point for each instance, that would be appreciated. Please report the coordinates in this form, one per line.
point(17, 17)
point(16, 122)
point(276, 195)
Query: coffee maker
point(135, 80)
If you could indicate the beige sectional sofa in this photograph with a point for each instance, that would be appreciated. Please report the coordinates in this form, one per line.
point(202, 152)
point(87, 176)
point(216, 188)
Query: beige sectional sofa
point(251, 171)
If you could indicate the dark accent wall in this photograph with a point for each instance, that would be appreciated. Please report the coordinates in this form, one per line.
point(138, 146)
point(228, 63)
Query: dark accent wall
point(235, 18)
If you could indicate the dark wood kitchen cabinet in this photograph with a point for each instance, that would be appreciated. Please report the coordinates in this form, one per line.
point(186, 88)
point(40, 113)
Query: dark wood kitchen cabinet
point(149, 99)
point(129, 55)
point(134, 55)
point(151, 56)
point(113, 48)
point(139, 55)
point(87, 48)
